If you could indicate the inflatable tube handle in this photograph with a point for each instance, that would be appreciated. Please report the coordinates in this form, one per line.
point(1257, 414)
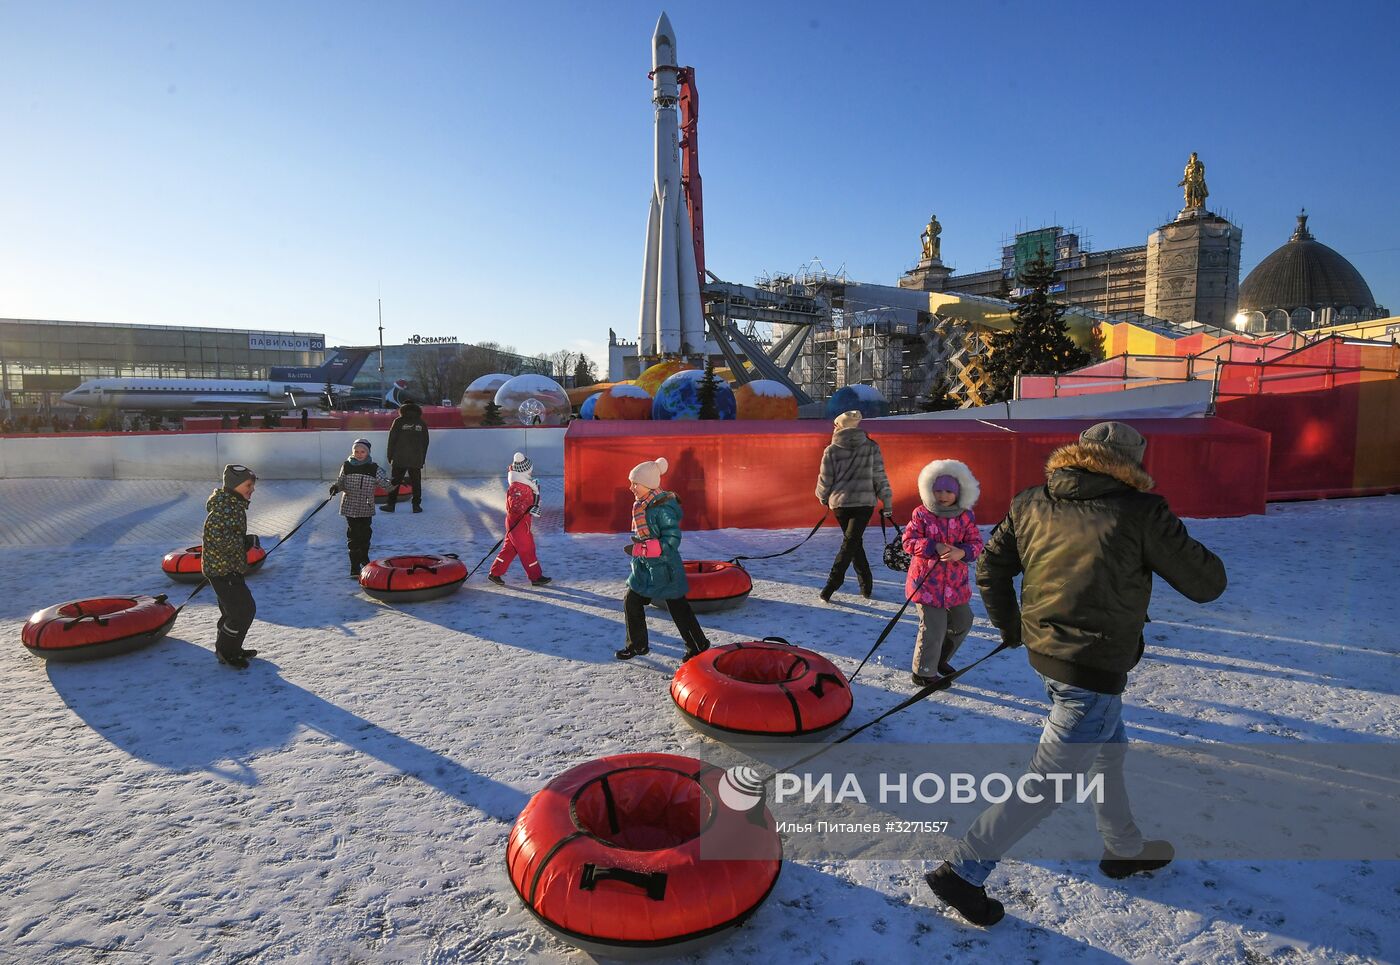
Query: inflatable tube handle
point(95, 618)
point(452, 556)
point(819, 688)
point(782, 640)
point(653, 883)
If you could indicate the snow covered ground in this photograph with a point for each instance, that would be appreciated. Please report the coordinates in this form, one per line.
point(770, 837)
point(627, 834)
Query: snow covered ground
point(349, 797)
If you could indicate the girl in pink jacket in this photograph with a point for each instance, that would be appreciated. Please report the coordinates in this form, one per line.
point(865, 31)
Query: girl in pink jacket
point(942, 539)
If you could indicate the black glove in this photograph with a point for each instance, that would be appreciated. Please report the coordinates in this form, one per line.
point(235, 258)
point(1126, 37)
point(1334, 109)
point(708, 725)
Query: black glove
point(332, 489)
point(888, 514)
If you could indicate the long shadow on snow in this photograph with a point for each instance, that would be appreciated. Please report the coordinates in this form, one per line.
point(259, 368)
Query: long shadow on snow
point(530, 620)
point(809, 906)
point(173, 707)
point(109, 531)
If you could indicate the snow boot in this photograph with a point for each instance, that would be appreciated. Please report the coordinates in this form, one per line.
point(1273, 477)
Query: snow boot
point(235, 660)
point(417, 509)
point(967, 899)
point(946, 669)
point(826, 593)
point(495, 579)
point(867, 584)
point(247, 654)
point(921, 681)
point(542, 581)
point(627, 653)
point(1154, 855)
point(354, 569)
point(387, 508)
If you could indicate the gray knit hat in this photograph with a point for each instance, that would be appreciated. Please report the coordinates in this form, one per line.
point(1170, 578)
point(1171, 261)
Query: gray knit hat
point(1117, 435)
point(361, 442)
point(236, 475)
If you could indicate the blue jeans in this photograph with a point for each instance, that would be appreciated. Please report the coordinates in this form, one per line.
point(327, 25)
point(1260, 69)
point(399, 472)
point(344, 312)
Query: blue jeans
point(1084, 733)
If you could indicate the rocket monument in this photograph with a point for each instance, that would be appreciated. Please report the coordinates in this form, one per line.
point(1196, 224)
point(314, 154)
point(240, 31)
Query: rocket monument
point(671, 321)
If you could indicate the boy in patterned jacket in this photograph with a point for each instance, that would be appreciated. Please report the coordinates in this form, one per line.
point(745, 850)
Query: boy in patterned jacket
point(358, 477)
point(224, 560)
point(942, 539)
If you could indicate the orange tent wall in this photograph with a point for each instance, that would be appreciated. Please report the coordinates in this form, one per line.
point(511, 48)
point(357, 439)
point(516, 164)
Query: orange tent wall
point(762, 475)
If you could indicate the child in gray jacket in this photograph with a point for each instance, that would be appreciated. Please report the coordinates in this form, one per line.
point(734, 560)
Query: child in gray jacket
point(358, 476)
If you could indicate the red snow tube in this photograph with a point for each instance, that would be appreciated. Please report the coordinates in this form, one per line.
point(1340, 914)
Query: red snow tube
point(714, 585)
point(183, 566)
point(402, 579)
point(381, 495)
point(764, 688)
point(640, 851)
point(85, 629)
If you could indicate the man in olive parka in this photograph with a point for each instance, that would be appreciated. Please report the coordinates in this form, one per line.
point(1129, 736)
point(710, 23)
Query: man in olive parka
point(1087, 544)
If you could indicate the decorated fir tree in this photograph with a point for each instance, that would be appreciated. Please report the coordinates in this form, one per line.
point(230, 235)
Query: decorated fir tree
point(1038, 341)
point(492, 416)
point(709, 387)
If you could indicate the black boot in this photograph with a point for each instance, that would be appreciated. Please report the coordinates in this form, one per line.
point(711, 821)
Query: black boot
point(542, 581)
point(247, 654)
point(627, 653)
point(235, 660)
point(354, 568)
point(866, 581)
point(1154, 855)
point(827, 591)
point(967, 899)
point(387, 508)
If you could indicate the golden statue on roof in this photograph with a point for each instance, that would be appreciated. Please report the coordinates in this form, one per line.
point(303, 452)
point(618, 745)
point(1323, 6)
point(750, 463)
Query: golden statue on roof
point(1194, 181)
point(932, 245)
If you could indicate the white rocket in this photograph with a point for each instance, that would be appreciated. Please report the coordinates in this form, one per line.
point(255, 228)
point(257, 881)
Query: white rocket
point(671, 321)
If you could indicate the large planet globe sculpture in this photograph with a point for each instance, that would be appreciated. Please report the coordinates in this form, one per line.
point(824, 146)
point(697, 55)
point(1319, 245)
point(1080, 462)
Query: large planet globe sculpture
point(585, 411)
point(679, 397)
point(533, 400)
point(650, 380)
point(865, 398)
point(478, 394)
point(623, 402)
point(765, 399)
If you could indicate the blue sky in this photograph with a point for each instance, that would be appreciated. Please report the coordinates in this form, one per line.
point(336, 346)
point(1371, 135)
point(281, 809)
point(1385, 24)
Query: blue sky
point(485, 168)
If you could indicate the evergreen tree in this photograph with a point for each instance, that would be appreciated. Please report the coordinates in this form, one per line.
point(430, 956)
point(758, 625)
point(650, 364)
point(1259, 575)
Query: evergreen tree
point(328, 395)
point(709, 387)
point(492, 416)
point(938, 399)
point(584, 373)
point(1038, 341)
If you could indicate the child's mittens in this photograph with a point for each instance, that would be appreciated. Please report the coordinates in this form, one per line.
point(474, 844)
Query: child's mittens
point(535, 511)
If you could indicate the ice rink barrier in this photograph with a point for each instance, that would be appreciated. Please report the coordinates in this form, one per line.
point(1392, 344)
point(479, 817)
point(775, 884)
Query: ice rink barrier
point(762, 475)
point(308, 454)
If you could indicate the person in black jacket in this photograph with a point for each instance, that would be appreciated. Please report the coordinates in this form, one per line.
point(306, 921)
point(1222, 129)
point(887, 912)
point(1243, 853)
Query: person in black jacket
point(408, 451)
point(1088, 543)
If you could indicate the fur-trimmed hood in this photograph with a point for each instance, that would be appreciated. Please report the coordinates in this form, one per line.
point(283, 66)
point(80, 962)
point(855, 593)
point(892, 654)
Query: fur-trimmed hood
point(1096, 458)
point(967, 483)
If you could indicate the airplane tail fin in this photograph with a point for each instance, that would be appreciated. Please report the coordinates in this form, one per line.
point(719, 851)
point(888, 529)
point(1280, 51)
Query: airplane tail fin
point(339, 369)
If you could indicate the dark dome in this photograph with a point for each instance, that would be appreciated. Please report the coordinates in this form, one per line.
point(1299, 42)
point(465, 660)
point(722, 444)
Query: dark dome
point(1305, 273)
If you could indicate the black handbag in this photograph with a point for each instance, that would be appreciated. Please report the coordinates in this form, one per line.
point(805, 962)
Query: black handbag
point(895, 556)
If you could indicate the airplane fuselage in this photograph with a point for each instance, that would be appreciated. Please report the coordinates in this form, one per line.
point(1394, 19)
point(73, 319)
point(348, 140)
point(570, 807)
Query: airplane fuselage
point(196, 394)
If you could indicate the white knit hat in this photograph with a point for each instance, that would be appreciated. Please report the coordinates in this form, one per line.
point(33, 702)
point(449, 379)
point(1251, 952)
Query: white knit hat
point(848, 419)
point(649, 473)
point(521, 463)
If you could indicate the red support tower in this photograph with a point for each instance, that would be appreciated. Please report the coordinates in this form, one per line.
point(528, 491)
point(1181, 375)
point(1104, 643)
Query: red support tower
point(690, 164)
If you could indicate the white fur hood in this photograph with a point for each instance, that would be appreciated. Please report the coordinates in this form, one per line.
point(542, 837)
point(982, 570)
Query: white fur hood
point(967, 498)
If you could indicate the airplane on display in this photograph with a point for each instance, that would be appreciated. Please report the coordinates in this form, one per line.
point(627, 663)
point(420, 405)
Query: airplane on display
point(280, 391)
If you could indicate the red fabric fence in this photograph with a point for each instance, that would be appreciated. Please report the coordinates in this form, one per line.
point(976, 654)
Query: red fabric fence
point(762, 475)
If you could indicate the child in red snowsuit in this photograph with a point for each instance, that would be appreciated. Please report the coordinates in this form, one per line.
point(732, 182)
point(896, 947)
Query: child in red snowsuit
point(522, 503)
